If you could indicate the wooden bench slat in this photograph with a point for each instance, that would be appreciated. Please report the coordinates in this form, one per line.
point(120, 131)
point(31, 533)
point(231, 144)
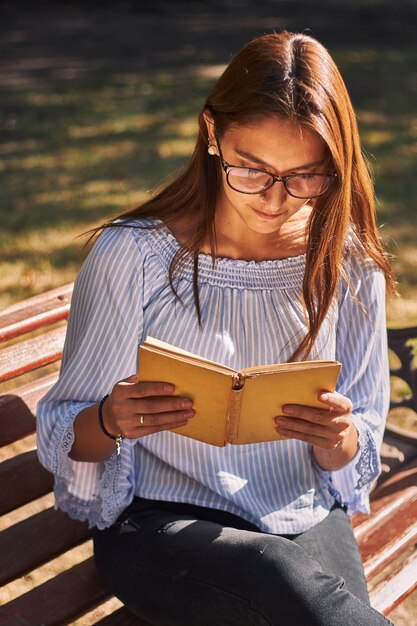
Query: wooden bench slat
point(59, 600)
point(403, 479)
point(122, 617)
point(36, 312)
point(386, 539)
point(26, 545)
point(36, 540)
point(28, 355)
point(397, 587)
point(381, 511)
point(384, 545)
point(17, 409)
point(22, 479)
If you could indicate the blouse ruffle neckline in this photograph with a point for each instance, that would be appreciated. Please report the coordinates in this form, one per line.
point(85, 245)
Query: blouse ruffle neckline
point(225, 272)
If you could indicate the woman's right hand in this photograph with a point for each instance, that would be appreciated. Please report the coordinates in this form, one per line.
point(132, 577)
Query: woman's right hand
point(135, 409)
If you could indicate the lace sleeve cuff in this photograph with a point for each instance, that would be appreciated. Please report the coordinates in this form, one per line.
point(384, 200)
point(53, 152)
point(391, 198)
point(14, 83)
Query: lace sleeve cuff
point(95, 492)
point(352, 484)
point(63, 439)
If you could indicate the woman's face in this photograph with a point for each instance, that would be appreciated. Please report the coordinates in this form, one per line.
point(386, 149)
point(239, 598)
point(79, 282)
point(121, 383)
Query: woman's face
point(279, 146)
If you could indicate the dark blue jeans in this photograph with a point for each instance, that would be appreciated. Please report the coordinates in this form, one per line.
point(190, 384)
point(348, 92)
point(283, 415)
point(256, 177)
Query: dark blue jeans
point(182, 565)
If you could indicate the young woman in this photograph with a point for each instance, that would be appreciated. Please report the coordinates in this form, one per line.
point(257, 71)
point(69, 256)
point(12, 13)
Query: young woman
point(265, 249)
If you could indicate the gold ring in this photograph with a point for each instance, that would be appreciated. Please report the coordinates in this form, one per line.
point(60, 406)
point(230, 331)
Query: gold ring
point(141, 419)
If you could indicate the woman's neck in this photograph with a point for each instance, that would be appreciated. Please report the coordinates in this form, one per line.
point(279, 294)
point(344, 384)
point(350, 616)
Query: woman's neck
point(289, 241)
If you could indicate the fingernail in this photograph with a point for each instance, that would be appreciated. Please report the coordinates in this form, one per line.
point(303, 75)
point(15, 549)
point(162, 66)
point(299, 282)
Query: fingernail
point(188, 413)
point(169, 388)
point(324, 396)
point(284, 434)
point(288, 410)
point(186, 404)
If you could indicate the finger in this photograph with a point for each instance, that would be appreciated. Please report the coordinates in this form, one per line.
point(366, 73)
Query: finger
point(162, 419)
point(152, 424)
point(310, 414)
point(125, 412)
point(155, 388)
point(315, 440)
point(160, 404)
point(150, 430)
point(329, 429)
point(131, 388)
point(336, 401)
point(130, 379)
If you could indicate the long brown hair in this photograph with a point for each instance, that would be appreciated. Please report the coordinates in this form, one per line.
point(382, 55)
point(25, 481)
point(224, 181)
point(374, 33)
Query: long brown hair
point(292, 76)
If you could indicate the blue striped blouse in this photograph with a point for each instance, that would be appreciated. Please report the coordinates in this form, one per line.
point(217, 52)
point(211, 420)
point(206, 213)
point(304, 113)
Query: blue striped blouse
point(252, 314)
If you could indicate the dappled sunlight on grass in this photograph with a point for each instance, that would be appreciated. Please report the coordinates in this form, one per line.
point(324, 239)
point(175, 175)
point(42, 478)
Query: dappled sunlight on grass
point(208, 71)
point(186, 127)
point(12, 147)
point(128, 132)
point(40, 161)
point(116, 126)
point(400, 242)
point(377, 137)
point(402, 312)
point(99, 106)
point(84, 140)
point(118, 199)
point(176, 147)
point(21, 279)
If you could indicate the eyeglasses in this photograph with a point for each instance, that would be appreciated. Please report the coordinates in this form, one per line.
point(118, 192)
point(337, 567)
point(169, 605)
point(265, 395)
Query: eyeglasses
point(252, 180)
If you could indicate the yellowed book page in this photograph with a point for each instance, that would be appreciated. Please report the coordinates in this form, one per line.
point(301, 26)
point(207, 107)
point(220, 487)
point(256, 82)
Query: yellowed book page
point(263, 397)
point(293, 366)
point(209, 390)
point(161, 346)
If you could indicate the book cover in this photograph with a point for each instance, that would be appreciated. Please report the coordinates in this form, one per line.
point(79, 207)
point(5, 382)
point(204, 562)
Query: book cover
point(234, 407)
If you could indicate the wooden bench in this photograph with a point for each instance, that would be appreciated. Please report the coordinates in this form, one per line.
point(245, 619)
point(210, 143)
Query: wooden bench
point(34, 534)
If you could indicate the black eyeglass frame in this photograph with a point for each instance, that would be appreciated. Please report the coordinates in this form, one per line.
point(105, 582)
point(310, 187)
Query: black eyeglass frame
point(274, 179)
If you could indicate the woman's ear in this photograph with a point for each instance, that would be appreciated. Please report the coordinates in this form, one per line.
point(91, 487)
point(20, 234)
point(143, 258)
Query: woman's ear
point(210, 128)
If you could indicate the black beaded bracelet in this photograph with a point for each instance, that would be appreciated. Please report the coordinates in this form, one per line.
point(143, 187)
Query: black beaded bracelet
point(117, 438)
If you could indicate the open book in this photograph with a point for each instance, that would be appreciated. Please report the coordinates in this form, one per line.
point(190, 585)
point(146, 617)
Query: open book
point(234, 407)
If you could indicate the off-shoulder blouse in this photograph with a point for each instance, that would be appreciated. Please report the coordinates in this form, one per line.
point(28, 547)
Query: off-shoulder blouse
point(252, 314)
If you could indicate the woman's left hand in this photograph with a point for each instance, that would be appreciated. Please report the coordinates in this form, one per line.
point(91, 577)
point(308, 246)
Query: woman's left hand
point(330, 431)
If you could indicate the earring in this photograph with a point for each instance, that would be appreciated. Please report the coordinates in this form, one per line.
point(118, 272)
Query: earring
point(211, 150)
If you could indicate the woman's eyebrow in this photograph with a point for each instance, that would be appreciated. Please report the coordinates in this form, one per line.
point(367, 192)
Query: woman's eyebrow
point(255, 159)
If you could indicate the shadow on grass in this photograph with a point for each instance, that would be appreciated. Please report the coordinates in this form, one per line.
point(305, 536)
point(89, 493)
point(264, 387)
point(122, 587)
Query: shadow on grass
point(102, 150)
point(99, 105)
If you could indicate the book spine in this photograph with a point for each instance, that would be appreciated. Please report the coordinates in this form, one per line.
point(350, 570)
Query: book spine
point(238, 381)
point(235, 401)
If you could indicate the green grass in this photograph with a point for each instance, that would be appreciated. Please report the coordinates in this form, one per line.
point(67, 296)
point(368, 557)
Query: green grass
point(109, 143)
point(383, 86)
point(75, 152)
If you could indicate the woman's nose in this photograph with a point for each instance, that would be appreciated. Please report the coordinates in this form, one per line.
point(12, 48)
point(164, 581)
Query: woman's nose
point(275, 196)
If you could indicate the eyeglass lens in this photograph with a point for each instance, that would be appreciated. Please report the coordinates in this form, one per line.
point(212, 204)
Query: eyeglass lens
point(249, 180)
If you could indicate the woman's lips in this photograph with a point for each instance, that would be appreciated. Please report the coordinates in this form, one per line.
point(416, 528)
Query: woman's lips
point(268, 216)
